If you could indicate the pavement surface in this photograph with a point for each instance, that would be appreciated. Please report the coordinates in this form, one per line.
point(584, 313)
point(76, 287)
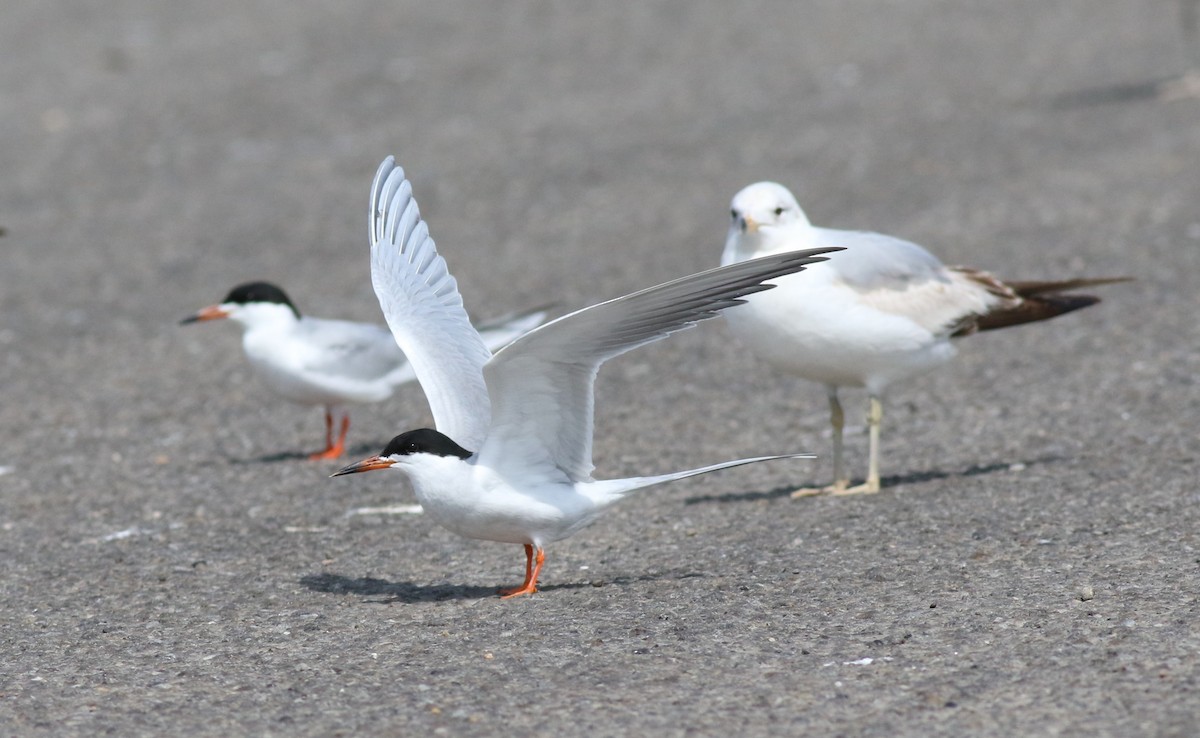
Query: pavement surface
point(173, 567)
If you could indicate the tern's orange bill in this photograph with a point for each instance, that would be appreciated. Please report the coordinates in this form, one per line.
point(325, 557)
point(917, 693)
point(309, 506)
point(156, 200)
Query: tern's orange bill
point(369, 464)
point(212, 312)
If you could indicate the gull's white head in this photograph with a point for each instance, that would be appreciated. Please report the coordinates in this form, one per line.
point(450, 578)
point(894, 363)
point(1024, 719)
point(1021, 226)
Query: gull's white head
point(253, 304)
point(765, 205)
point(758, 212)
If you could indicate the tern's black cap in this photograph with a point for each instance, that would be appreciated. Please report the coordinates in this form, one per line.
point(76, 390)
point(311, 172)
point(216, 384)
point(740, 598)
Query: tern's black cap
point(424, 441)
point(250, 292)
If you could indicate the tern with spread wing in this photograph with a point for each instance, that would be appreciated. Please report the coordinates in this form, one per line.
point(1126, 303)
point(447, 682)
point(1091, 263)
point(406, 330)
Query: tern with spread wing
point(880, 311)
point(331, 363)
point(511, 459)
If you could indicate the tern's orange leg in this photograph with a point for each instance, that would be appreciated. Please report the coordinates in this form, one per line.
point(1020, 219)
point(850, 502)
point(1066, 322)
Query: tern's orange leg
point(532, 571)
point(506, 591)
point(332, 450)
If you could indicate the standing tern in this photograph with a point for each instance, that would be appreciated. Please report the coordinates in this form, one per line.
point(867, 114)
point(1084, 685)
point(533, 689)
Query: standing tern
point(332, 363)
point(880, 311)
point(511, 459)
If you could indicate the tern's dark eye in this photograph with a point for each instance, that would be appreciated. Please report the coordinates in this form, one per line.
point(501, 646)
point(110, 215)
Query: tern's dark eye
point(778, 211)
point(412, 447)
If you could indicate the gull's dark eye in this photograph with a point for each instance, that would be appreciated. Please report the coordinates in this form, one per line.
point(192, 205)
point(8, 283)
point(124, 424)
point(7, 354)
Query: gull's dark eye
point(778, 211)
point(733, 214)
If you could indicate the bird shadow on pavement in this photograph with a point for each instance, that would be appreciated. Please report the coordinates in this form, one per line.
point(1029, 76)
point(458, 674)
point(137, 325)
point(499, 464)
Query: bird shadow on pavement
point(409, 592)
point(393, 591)
point(270, 458)
point(975, 470)
point(353, 454)
point(1115, 94)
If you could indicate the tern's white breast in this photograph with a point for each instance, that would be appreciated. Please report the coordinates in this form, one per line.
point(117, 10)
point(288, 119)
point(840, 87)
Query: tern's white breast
point(284, 362)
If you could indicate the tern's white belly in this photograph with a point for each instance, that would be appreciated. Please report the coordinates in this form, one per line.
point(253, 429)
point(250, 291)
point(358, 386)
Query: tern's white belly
point(475, 502)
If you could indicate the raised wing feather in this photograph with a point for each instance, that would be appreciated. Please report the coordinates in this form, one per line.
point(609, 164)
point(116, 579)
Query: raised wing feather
point(541, 384)
point(424, 310)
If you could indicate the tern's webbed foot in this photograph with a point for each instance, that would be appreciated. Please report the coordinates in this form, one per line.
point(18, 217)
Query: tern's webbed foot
point(510, 592)
point(330, 453)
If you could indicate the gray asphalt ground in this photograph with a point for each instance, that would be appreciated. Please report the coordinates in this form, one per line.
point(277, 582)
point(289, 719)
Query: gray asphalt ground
point(172, 567)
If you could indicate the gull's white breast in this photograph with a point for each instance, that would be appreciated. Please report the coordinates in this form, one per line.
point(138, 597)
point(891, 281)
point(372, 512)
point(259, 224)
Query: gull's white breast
point(816, 326)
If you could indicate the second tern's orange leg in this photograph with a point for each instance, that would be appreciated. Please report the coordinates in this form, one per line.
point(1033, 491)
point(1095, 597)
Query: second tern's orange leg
point(333, 450)
point(532, 571)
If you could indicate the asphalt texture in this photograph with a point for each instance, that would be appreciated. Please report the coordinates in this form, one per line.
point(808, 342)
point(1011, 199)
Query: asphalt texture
point(173, 566)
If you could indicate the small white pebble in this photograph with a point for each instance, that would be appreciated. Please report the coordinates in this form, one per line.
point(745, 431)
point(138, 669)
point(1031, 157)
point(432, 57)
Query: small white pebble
point(123, 534)
point(387, 510)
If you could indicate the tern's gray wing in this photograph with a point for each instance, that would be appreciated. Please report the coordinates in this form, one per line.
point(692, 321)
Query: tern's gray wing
point(421, 303)
point(352, 351)
point(541, 384)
